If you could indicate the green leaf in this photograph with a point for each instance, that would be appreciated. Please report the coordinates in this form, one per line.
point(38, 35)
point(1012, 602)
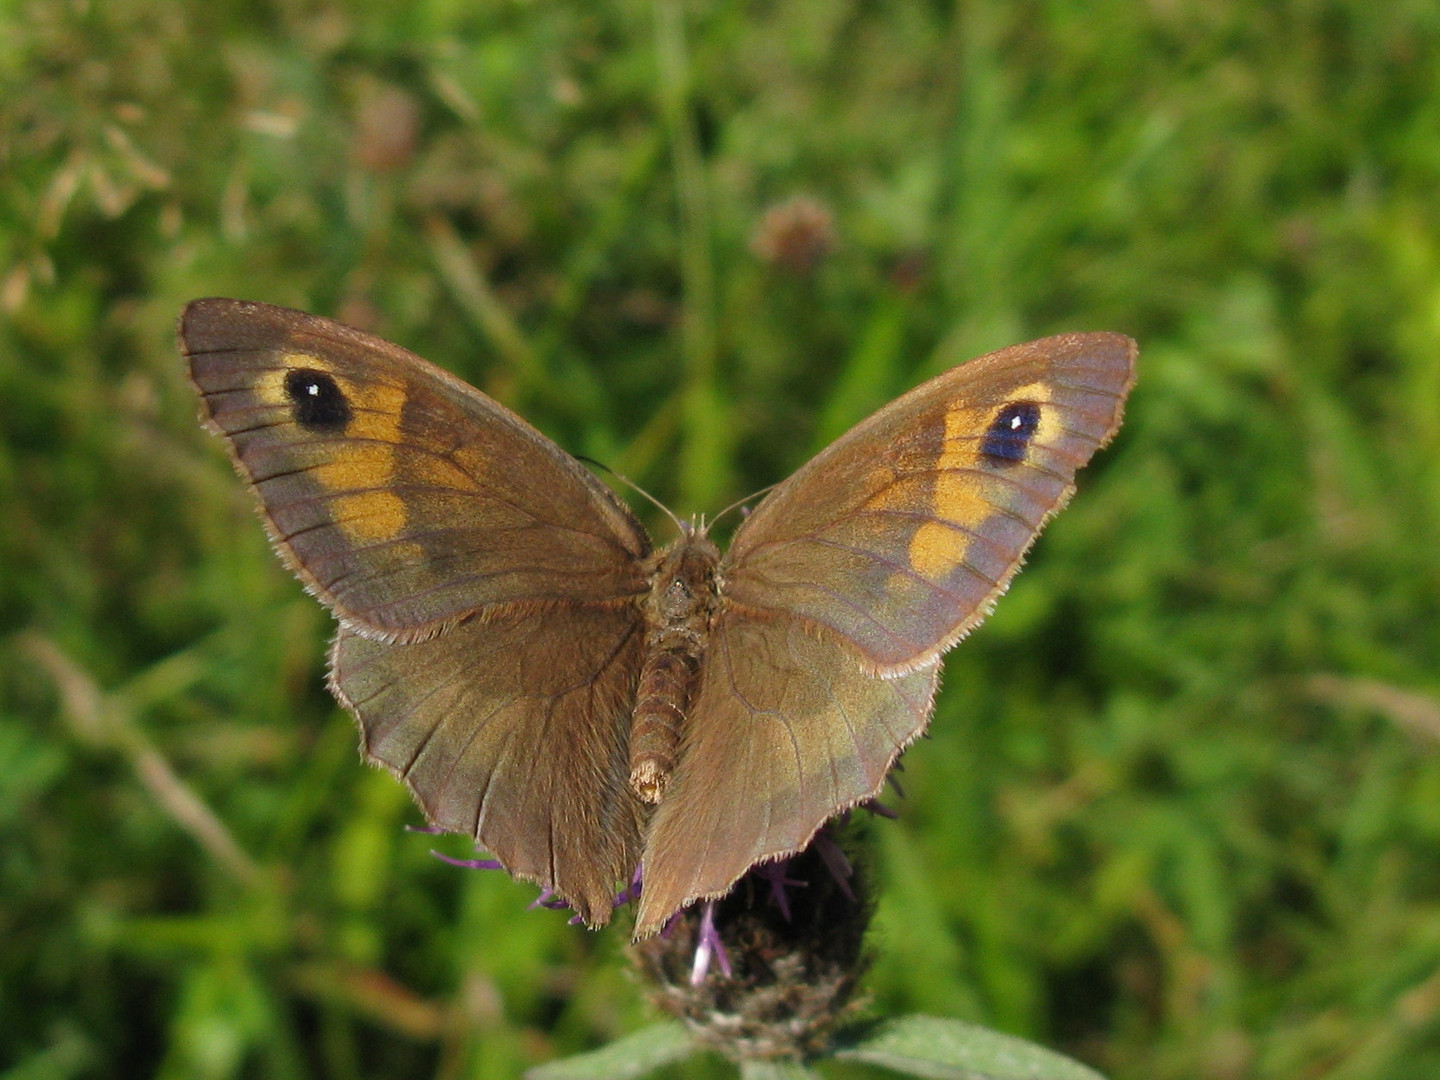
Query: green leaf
point(775, 1070)
point(932, 1046)
point(632, 1056)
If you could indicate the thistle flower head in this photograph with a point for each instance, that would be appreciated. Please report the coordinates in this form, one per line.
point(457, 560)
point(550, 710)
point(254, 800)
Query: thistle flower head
point(770, 970)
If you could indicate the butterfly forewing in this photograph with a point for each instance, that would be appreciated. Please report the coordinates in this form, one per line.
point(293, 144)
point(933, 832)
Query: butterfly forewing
point(901, 534)
point(402, 497)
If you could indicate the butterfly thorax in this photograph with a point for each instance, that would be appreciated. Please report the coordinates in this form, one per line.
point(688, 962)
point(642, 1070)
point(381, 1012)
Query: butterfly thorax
point(678, 610)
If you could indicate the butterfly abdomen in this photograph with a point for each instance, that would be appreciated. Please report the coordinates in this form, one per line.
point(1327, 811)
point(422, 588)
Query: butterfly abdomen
point(677, 614)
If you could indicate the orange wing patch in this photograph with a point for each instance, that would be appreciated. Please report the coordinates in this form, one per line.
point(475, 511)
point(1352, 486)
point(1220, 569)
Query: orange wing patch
point(359, 468)
point(960, 503)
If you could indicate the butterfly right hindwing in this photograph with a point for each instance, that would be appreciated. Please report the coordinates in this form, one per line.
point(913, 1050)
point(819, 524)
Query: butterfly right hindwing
point(787, 729)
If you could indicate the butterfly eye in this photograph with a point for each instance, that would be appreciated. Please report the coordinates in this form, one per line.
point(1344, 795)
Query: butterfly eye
point(1010, 432)
point(320, 404)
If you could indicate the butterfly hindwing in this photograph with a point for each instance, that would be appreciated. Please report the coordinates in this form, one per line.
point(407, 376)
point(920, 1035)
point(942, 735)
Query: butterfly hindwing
point(514, 731)
point(787, 729)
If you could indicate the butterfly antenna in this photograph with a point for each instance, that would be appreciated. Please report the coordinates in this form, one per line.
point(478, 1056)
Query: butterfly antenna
point(679, 525)
point(738, 503)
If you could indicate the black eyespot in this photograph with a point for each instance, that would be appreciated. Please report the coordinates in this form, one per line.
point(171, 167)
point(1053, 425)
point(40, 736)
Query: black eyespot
point(320, 405)
point(1010, 432)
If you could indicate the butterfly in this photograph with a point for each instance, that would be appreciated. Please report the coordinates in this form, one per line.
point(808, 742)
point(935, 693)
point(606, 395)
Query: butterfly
point(581, 703)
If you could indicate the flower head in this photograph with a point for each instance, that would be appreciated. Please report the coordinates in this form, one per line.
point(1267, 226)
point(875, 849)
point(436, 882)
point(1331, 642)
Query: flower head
point(769, 970)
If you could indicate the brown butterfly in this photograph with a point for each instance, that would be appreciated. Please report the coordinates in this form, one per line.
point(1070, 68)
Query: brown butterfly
point(581, 704)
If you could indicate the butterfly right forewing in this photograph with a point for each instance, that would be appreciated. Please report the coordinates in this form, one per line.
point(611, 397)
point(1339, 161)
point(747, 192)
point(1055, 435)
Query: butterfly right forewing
point(901, 534)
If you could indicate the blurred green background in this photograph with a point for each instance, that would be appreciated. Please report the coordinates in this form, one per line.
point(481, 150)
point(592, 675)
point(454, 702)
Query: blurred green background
point(1180, 814)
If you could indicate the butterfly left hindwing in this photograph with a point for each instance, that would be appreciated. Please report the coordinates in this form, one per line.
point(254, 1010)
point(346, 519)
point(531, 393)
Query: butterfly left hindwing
point(513, 730)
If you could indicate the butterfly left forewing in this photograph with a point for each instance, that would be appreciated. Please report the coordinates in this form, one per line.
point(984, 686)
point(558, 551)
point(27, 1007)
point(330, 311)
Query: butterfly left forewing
point(402, 497)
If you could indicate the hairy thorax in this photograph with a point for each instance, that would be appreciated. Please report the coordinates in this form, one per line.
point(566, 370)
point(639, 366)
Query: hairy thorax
point(678, 610)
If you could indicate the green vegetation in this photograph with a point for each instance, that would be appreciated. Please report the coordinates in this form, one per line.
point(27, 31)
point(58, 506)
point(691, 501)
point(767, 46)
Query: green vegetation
point(1180, 814)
